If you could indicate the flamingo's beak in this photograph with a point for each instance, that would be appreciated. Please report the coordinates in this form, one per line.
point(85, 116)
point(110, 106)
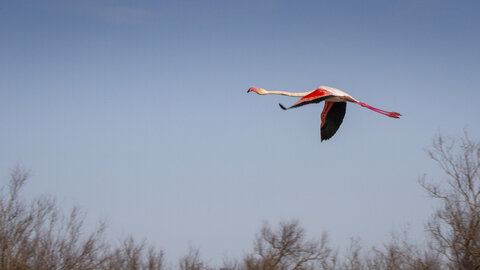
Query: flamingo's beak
point(251, 89)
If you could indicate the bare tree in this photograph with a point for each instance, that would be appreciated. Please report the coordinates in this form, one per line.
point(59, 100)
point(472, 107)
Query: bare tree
point(287, 248)
point(231, 264)
point(353, 259)
point(192, 261)
point(37, 235)
point(15, 223)
point(135, 256)
point(400, 254)
point(455, 226)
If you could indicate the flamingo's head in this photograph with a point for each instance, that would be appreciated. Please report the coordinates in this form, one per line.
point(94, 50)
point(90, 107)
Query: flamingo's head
point(257, 90)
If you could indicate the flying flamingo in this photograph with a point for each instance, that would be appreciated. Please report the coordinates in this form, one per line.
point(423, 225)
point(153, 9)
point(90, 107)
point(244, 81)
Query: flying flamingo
point(333, 111)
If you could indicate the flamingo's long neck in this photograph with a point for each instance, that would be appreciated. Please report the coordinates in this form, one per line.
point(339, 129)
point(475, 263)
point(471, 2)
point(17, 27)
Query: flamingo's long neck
point(285, 93)
point(389, 114)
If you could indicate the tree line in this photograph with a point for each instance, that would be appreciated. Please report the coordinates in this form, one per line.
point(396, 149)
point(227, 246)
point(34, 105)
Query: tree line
point(36, 234)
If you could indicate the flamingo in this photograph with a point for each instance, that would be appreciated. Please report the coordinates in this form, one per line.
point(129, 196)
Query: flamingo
point(333, 111)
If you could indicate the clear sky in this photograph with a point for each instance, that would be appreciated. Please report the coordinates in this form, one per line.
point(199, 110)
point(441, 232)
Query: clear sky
point(137, 111)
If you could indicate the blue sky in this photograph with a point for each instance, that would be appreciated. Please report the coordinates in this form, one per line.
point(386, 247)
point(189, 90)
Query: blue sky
point(137, 111)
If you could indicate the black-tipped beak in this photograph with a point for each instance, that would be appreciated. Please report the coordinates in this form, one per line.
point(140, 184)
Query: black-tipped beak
point(248, 91)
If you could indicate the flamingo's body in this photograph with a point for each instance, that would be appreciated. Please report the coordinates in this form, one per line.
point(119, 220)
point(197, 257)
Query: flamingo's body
point(334, 109)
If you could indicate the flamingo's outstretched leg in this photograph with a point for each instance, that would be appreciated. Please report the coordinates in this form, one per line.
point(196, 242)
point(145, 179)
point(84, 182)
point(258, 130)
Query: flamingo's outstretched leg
point(389, 114)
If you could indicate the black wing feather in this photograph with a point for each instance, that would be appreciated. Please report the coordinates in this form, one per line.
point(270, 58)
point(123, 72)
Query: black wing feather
point(333, 120)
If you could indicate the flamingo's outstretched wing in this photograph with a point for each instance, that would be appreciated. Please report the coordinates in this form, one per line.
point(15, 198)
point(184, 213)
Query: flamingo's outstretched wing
point(314, 97)
point(332, 118)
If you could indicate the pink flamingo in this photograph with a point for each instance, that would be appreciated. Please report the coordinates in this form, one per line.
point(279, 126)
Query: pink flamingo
point(334, 109)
